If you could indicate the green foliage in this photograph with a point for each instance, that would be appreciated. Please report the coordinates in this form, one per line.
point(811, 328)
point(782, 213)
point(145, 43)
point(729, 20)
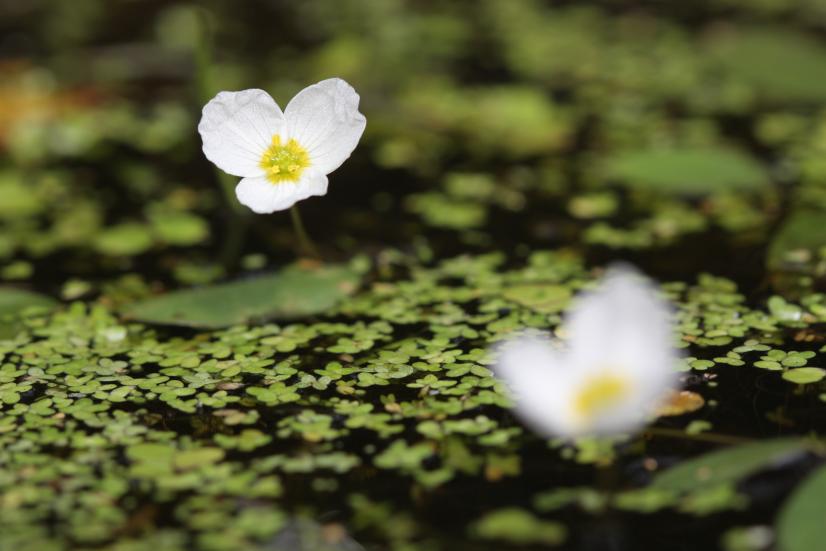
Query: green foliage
point(245, 411)
point(729, 465)
point(804, 375)
point(126, 239)
point(293, 292)
point(689, 171)
point(367, 415)
point(776, 63)
point(798, 242)
point(800, 523)
point(16, 301)
point(518, 526)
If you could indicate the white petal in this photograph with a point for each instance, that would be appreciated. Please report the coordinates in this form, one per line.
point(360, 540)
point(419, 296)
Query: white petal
point(264, 197)
point(624, 321)
point(237, 127)
point(324, 118)
point(540, 381)
point(624, 327)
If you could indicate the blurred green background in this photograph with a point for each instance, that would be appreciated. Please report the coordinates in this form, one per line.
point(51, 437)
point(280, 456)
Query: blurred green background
point(623, 126)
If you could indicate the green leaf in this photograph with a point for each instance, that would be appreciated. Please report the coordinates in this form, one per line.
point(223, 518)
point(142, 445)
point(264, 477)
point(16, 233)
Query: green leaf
point(688, 171)
point(801, 520)
point(151, 452)
point(126, 239)
point(797, 240)
point(782, 310)
point(778, 64)
point(14, 301)
point(518, 526)
point(292, 293)
point(446, 212)
point(804, 375)
point(18, 200)
point(729, 465)
point(200, 457)
point(545, 298)
point(179, 228)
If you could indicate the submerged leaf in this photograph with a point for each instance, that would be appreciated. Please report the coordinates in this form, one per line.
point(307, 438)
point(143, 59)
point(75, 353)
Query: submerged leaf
point(291, 293)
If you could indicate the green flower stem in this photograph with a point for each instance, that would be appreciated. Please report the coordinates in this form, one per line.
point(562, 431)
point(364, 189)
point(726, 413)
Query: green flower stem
point(304, 241)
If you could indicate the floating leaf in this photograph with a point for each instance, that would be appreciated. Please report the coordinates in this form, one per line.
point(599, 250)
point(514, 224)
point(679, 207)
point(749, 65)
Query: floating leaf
point(18, 200)
point(804, 375)
point(729, 465)
point(798, 240)
point(777, 64)
point(126, 239)
point(747, 538)
point(13, 301)
point(547, 299)
point(783, 310)
point(446, 212)
point(801, 520)
point(518, 526)
point(688, 171)
point(150, 459)
point(291, 293)
point(513, 120)
point(179, 228)
point(193, 459)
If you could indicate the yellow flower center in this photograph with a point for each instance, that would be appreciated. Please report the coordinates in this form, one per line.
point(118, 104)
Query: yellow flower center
point(284, 163)
point(599, 394)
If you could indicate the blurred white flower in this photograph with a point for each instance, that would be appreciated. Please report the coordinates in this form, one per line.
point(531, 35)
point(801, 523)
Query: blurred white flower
point(283, 157)
point(617, 366)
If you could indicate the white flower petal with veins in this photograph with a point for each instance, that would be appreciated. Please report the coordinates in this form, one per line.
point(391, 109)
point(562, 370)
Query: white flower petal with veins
point(324, 118)
point(282, 157)
point(618, 364)
point(260, 195)
point(236, 128)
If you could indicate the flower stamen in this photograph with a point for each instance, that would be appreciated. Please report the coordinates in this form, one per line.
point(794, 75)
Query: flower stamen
point(599, 394)
point(284, 163)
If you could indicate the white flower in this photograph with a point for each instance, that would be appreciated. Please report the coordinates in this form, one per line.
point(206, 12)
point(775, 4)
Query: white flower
point(282, 157)
point(618, 364)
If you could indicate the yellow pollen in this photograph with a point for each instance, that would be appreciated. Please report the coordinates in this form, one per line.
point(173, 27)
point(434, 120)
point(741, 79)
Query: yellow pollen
point(284, 163)
point(599, 394)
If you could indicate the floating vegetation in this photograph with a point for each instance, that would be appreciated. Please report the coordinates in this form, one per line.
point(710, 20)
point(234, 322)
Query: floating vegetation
point(173, 377)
